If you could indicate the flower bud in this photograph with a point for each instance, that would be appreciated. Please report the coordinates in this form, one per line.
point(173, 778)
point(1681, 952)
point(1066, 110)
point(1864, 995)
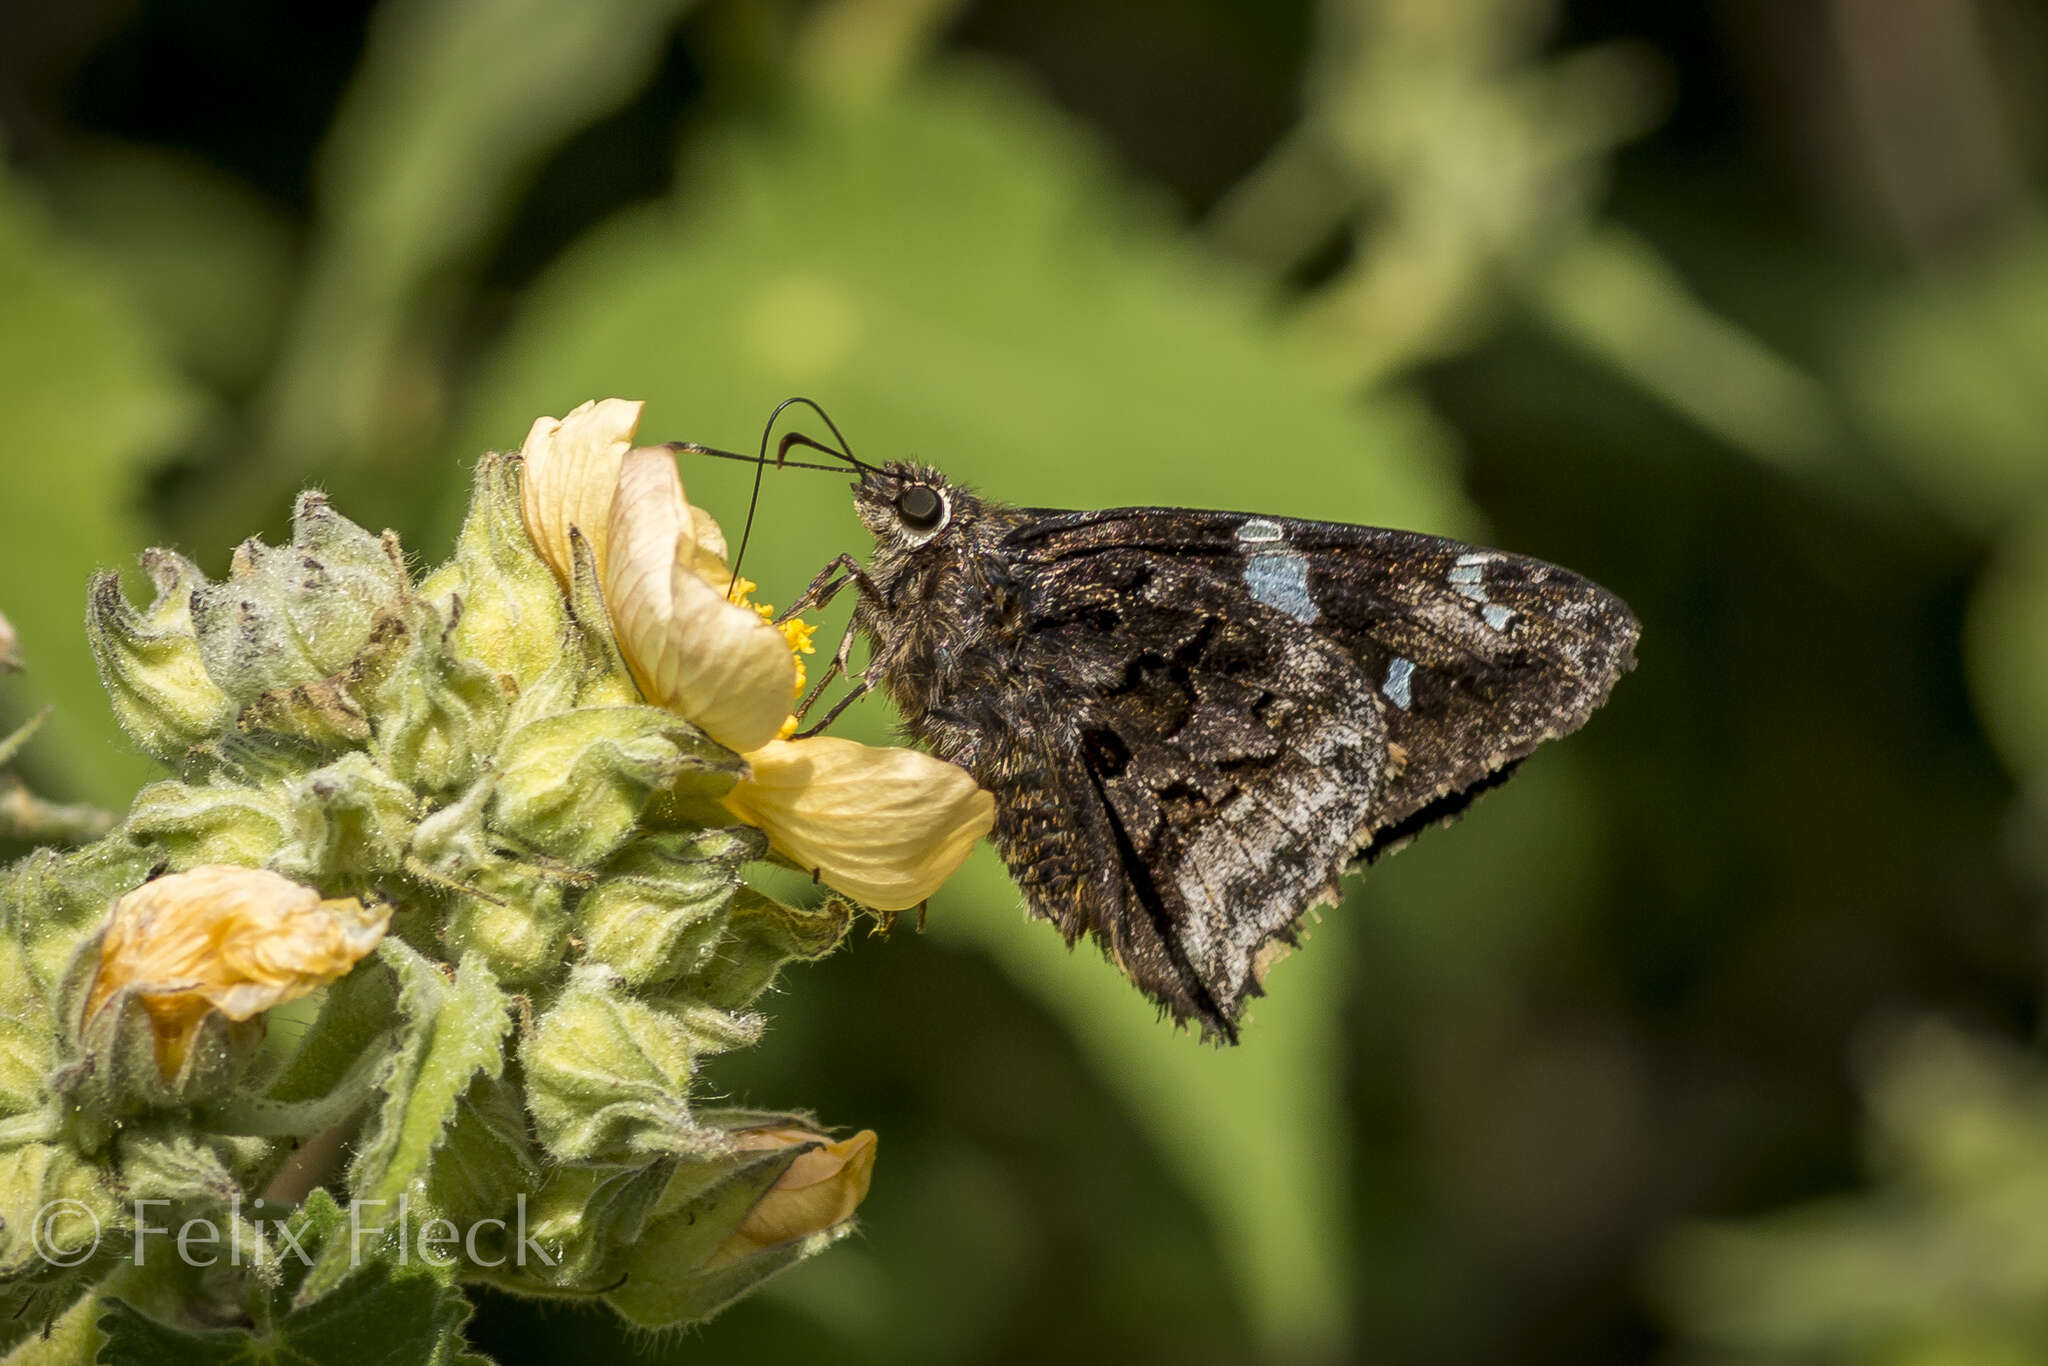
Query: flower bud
point(656, 911)
point(779, 1193)
point(504, 601)
point(150, 664)
point(350, 820)
point(762, 935)
point(59, 900)
point(214, 822)
point(511, 918)
point(608, 1076)
point(439, 715)
point(27, 1037)
point(575, 784)
point(54, 1207)
point(298, 614)
point(820, 1190)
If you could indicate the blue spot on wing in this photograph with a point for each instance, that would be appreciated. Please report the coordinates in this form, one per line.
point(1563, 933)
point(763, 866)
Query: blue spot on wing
point(1281, 580)
point(1400, 672)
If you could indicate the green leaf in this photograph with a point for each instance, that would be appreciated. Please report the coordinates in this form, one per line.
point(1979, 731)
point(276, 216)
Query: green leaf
point(488, 1158)
point(450, 1033)
point(1950, 376)
point(89, 403)
point(378, 1316)
point(2007, 644)
point(453, 1031)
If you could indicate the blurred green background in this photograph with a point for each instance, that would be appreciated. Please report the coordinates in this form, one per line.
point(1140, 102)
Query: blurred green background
point(1713, 1038)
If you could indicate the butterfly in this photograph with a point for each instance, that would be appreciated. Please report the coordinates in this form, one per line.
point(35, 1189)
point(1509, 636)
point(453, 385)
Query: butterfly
point(1195, 723)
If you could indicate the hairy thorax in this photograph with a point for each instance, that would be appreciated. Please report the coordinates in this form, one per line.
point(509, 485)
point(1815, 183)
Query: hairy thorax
point(944, 633)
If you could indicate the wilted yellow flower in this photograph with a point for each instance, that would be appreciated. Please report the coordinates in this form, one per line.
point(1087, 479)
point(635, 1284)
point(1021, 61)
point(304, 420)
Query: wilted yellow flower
point(236, 940)
point(886, 826)
point(821, 1189)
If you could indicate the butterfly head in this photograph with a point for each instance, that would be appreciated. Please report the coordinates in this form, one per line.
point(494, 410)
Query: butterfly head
point(906, 506)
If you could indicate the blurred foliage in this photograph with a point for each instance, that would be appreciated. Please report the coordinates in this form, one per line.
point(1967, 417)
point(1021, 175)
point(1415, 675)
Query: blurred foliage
point(1737, 308)
point(1947, 1262)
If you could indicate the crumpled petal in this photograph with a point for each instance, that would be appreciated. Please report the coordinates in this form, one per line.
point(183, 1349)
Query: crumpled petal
point(884, 826)
point(821, 1189)
point(719, 665)
point(570, 475)
point(219, 937)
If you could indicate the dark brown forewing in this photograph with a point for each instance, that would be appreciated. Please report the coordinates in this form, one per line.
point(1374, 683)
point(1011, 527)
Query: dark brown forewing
point(1468, 657)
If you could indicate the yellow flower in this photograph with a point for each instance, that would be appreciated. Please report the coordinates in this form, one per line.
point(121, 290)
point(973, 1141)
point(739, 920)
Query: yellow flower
point(821, 1190)
point(722, 665)
point(886, 826)
point(235, 940)
point(570, 475)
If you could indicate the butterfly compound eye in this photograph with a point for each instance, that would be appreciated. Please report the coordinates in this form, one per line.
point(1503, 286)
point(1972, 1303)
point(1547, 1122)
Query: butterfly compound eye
point(919, 507)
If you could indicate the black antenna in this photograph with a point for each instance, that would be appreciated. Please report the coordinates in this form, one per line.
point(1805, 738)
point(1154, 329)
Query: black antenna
point(843, 451)
point(692, 448)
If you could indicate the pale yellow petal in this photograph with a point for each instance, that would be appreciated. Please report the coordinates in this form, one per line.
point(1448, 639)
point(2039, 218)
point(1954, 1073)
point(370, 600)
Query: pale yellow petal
point(711, 555)
point(820, 1190)
point(570, 472)
point(717, 665)
point(885, 826)
point(228, 939)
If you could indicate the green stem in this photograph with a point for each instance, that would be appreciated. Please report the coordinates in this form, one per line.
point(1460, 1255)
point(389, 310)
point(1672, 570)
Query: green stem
point(29, 818)
point(261, 1118)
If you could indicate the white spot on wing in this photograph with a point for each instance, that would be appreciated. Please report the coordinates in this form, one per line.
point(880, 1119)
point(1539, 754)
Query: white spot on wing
point(1399, 673)
point(1466, 573)
point(1496, 615)
point(1475, 557)
point(1260, 530)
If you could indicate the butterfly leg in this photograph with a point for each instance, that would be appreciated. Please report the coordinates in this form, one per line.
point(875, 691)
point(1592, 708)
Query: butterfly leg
point(826, 586)
point(856, 693)
point(835, 669)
